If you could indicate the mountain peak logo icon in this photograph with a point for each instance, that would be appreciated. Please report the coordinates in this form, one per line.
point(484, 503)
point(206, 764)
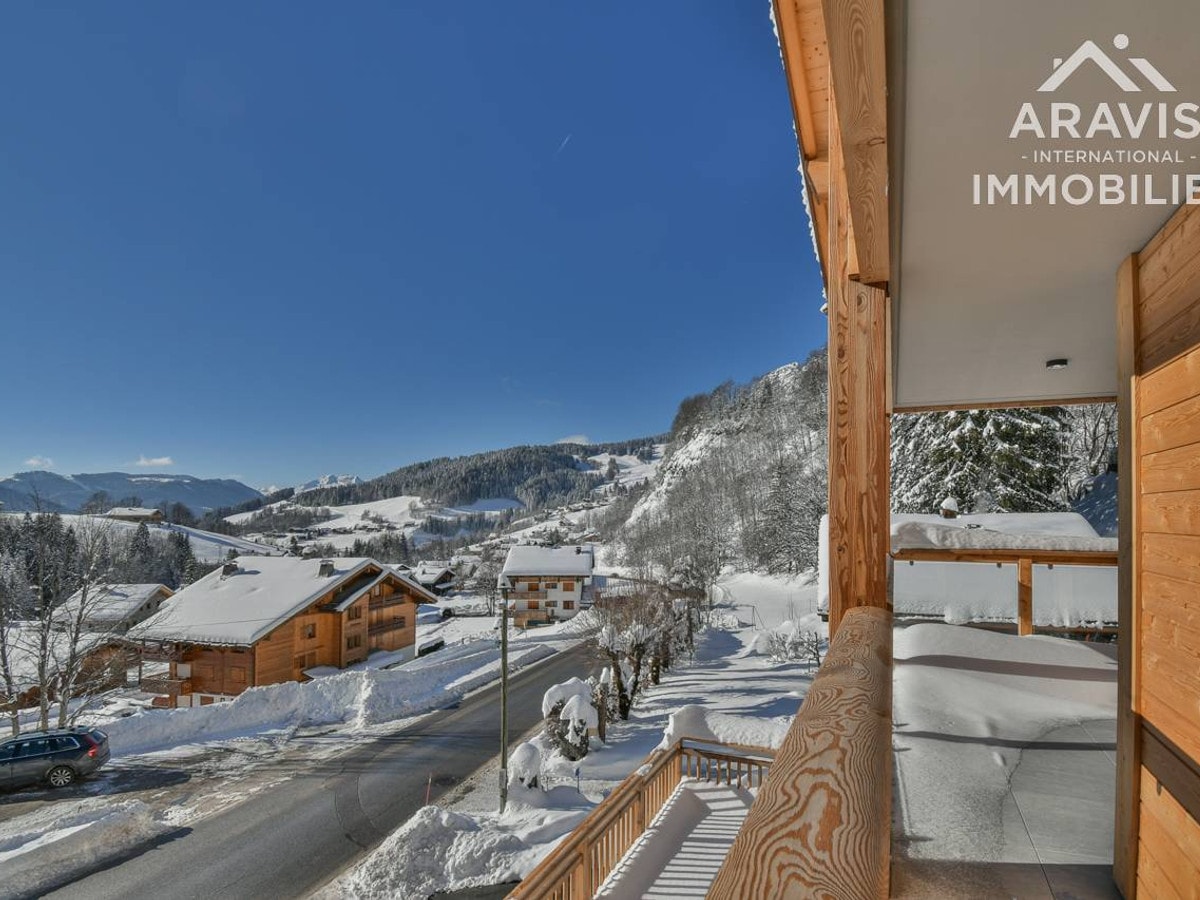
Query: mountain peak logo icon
point(1090, 51)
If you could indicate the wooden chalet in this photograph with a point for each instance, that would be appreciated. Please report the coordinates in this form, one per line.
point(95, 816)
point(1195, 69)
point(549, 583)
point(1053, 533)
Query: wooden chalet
point(265, 620)
point(1003, 203)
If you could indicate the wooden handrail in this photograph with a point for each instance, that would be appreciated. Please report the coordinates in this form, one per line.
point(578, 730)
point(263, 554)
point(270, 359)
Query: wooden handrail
point(821, 826)
point(1038, 557)
point(1024, 559)
point(577, 867)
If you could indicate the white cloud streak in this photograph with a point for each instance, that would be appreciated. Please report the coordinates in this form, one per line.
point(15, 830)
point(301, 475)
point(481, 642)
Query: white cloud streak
point(154, 462)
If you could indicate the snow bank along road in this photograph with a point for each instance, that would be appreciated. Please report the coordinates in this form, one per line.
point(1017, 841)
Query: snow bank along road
point(292, 838)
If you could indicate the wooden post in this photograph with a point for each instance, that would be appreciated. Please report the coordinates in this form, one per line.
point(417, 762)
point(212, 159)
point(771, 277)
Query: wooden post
point(1129, 724)
point(821, 826)
point(1024, 596)
point(859, 436)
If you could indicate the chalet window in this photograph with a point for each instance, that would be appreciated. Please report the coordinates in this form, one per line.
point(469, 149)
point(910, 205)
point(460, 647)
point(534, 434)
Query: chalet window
point(308, 632)
point(552, 585)
point(531, 604)
point(355, 613)
point(401, 622)
point(568, 604)
point(354, 642)
point(552, 604)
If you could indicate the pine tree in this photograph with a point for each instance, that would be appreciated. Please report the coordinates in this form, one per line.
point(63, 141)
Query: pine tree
point(990, 460)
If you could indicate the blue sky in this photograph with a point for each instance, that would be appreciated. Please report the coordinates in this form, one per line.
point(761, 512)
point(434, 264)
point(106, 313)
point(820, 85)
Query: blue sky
point(272, 240)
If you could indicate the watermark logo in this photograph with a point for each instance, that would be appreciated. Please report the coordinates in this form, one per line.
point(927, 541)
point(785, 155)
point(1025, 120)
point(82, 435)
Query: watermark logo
point(1089, 51)
point(1064, 147)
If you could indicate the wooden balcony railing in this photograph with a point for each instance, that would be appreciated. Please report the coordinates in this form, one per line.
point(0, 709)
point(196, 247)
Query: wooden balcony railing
point(527, 595)
point(161, 684)
point(1025, 561)
point(821, 825)
point(577, 867)
point(389, 625)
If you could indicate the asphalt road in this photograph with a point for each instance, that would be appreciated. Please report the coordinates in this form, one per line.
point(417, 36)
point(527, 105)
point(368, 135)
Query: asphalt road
point(292, 838)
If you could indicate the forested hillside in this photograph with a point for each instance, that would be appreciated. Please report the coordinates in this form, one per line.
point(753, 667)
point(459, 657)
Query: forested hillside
point(538, 476)
point(743, 481)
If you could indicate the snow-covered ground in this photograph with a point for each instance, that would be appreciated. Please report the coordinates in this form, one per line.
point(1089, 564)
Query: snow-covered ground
point(731, 691)
point(1005, 754)
point(34, 849)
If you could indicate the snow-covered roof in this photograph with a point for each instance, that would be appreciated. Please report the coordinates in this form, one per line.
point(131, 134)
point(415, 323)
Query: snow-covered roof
point(243, 607)
point(429, 573)
point(1007, 531)
point(133, 512)
point(111, 604)
point(529, 560)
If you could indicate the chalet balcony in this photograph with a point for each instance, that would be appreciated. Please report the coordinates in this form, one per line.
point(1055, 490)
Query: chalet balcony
point(527, 595)
point(380, 627)
point(1003, 755)
point(162, 684)
point(383, 602)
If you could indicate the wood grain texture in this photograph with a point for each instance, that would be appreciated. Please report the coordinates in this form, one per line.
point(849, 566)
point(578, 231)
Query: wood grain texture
point(1173, 512)
point(1169, 385)
point(858, 86)
point(821, 825)
point(1128, 783)
point(1170, 470)
point(1173, 555)
point(859, 518)
point(1024, 596)
point(1172, 768)
point(1172, 840)
point(1175, 426)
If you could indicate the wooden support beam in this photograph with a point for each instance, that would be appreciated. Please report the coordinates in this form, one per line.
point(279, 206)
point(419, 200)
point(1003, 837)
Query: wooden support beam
point(854, 31)
point(1024, 596)
point(1129, 726)
point(859, 434)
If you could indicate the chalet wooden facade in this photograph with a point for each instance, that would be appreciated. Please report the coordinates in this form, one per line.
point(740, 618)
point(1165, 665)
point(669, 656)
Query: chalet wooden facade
point(267, 620)
point(941, 296)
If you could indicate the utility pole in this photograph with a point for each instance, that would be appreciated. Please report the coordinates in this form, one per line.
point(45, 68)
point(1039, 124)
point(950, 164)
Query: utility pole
point(503, 698)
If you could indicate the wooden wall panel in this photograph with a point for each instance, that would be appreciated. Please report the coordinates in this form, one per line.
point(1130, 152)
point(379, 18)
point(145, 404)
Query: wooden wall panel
point(1170, 845)
point(273, 656)
point(1160, 490)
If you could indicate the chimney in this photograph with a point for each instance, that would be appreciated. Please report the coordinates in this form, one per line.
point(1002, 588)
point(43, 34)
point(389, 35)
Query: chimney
point(326, 570)
point(230, 568)
point(949, 508)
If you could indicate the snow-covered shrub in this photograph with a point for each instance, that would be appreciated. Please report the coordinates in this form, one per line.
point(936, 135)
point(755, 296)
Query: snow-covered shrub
point(525, 765)
point(569, 714)
point(793, 642)
point(579, 717)
point(558, 694)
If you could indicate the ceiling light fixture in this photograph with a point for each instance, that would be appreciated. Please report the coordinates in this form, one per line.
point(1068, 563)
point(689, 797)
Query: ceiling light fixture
point(1057, 363)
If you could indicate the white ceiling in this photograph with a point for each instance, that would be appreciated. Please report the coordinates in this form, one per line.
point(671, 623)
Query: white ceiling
point(984, 295)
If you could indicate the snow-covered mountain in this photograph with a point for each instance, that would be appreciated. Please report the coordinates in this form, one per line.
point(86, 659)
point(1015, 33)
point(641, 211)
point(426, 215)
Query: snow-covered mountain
point(742, 480)
point(328, 481)
point(68, 493)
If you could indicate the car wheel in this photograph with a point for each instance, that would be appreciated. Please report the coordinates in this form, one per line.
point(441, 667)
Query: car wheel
point(60, 776)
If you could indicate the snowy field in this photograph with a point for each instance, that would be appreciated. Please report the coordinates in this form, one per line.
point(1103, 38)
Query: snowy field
point(731, 691)
point(206, 546)
point(1005, 757)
